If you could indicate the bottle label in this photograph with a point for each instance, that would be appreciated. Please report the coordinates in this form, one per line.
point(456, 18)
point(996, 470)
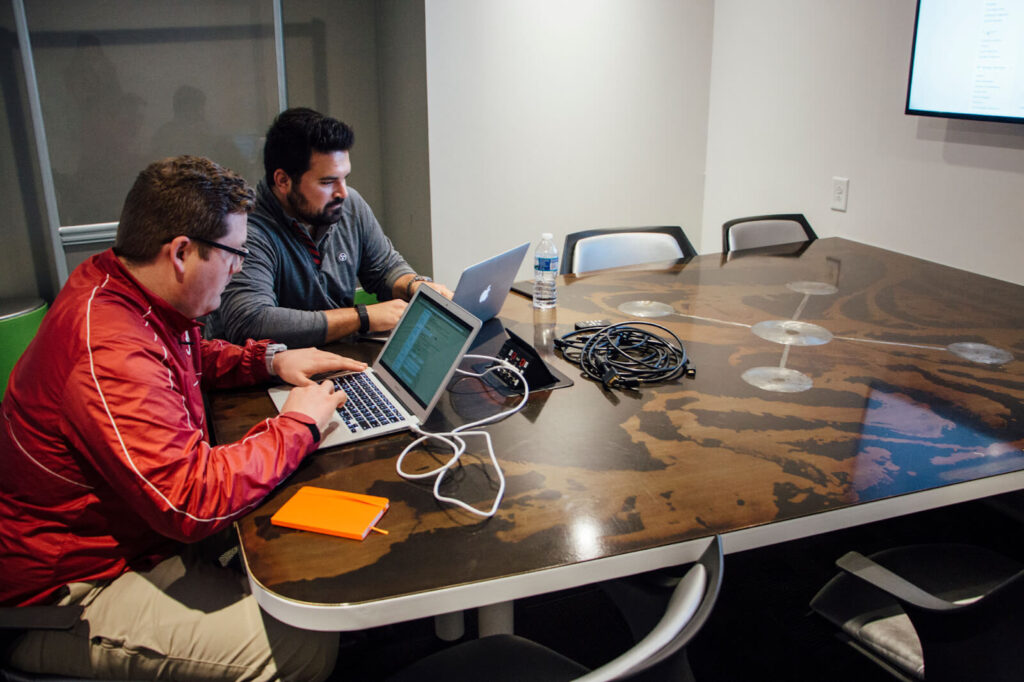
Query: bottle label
point(546, 264)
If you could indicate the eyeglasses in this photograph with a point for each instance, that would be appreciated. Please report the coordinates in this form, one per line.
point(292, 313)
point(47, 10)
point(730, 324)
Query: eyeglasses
point(241, 253)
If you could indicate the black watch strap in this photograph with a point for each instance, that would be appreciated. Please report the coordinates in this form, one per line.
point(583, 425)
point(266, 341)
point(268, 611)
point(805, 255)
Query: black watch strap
point(364, 319)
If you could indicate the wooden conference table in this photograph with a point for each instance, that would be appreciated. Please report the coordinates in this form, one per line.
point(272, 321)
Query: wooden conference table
point(602, 483)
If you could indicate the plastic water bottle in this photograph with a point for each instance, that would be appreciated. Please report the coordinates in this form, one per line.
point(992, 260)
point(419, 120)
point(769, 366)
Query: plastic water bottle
point(545, 270)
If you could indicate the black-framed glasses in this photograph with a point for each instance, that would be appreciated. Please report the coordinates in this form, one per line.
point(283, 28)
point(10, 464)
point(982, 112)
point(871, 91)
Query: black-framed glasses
point(241, 253)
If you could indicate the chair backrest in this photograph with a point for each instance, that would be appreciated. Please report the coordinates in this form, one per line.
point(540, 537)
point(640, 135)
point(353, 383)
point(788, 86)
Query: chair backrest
point(688, 609)
point(765, 230)
point(616, 247)
point(19, 321)
point(14, 619)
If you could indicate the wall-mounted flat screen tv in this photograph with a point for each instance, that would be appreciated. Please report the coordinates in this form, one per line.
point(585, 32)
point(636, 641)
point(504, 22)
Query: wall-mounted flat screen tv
point(968, 60)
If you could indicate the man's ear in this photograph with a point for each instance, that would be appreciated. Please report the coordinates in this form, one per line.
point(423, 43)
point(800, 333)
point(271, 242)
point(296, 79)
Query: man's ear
point(281, 181)
point(177, 250)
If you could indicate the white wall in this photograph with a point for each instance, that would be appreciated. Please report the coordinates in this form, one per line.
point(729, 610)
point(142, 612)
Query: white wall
point(562, 115)
point(803, 90)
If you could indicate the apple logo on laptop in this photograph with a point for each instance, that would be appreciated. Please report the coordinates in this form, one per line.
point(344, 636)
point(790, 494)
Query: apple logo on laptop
point(485, 294)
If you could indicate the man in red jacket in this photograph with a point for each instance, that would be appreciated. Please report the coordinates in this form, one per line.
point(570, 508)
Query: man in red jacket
point(107, 462)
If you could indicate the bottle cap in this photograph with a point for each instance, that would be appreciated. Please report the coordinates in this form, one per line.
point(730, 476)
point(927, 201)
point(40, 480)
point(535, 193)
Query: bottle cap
point(546, 235)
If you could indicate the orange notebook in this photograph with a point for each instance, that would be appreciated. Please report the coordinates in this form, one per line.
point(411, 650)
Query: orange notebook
point(335, 512)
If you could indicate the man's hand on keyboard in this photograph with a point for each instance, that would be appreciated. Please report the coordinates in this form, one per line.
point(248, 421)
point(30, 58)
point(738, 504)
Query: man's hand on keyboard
point(317, 401)
point(298, 365)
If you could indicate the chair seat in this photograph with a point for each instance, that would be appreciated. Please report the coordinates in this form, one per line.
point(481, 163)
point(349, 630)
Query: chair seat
point(497, 658)
point(893, 639)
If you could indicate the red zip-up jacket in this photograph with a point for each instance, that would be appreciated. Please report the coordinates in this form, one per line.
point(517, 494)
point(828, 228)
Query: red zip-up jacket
point(105, 459)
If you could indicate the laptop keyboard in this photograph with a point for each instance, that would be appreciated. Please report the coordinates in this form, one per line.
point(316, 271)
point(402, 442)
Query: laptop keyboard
point(367, 407)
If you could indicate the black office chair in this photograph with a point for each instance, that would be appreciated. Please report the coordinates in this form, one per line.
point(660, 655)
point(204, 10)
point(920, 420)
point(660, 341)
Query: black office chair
point(508, 658)
point(931, 612)
point(766, 230)
point(16, 618)
point(616, 247)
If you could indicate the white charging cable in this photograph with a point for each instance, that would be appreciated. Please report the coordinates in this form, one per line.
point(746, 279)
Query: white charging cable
point(454, 439)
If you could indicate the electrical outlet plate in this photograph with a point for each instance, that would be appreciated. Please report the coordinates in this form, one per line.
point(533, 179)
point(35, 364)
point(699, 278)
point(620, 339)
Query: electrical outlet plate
point(840, 193)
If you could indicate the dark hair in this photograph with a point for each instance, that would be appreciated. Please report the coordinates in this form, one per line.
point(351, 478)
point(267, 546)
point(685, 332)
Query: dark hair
point(293, 137)
point(180, 195)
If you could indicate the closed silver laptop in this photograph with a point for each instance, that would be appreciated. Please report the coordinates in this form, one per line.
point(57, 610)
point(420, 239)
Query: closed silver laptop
point(483, 287)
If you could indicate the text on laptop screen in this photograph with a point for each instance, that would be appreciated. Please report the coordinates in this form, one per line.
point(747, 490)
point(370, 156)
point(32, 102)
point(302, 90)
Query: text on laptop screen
point(423, 348)
point(967, 60)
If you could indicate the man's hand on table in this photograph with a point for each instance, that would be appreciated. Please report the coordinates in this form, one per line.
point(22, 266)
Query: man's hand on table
point(436, 286)
point(384, 316)
point(298, 365)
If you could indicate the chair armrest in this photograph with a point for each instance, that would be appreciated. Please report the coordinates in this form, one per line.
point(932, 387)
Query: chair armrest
point(39, 617)
point(863, 568)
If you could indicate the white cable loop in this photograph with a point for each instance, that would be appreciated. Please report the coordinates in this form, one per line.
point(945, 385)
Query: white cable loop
point(454, 439)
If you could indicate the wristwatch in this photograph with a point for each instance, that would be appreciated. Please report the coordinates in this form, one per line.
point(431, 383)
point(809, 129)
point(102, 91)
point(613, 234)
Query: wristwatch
point(272, 350)
point(364, 319)
point(417, 278)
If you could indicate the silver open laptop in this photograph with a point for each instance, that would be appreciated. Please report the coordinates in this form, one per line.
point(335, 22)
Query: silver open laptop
point(483, 287)
point(409, 375)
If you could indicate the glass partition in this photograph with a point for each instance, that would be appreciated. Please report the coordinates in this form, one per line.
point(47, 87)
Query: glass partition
point(125, 82)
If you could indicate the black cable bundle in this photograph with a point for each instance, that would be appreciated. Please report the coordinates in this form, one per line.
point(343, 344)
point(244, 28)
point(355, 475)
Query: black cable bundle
point(624, 355)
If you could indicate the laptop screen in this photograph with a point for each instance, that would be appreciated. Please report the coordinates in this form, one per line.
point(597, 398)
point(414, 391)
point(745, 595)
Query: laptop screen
point(423, 348)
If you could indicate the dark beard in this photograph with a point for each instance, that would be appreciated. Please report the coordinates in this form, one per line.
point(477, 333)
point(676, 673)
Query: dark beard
point(325, 218)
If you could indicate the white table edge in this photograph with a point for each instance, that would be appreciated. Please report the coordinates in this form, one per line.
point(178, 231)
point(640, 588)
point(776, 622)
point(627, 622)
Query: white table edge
point(358, 616)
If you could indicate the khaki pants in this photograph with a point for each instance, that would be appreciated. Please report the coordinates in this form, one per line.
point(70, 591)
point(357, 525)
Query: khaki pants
point(183, 620)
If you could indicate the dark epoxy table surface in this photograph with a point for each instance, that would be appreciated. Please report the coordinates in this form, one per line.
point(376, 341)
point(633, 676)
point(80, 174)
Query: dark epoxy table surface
point(607, 483)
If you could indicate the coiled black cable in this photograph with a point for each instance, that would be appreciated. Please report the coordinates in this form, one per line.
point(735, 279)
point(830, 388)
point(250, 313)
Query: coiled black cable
point(624, 355)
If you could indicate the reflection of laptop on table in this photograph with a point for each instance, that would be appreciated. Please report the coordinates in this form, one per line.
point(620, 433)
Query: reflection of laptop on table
point(408, 377)
point(483, 287)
